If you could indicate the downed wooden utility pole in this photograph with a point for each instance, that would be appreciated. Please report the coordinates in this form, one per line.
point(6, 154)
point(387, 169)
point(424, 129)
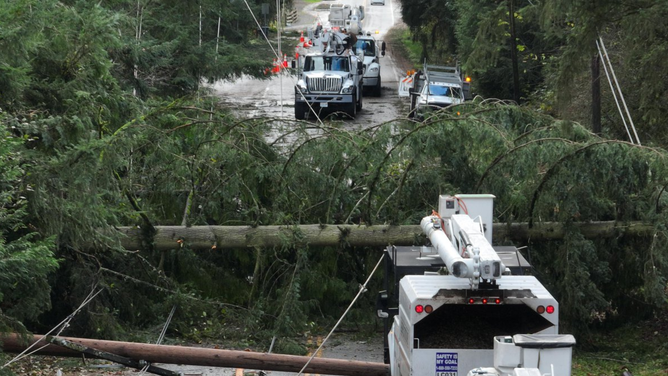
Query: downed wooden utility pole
point(96, 353)
point(201, 356)
point(229, 237)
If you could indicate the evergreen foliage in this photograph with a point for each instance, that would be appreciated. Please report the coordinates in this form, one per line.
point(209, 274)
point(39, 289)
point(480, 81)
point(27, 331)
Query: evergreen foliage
point(82, 154)
point(26, 259)
point(555, 43)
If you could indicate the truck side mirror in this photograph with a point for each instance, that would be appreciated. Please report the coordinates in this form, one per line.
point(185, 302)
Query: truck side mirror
point(382, 47)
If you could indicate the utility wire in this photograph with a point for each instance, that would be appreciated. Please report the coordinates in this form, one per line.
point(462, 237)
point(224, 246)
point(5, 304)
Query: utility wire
point(260, 27)
point(361, 290)
point(278, 57)
point(160, 338)
point(614, 92)
point(606, 61)
point(62, 325)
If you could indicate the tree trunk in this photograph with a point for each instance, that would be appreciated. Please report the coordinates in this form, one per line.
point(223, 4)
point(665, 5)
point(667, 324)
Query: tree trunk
point(227, 237)
point(513, 52)
point(596, 95)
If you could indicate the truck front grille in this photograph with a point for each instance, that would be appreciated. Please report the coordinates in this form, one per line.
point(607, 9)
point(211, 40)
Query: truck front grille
point(324, 84)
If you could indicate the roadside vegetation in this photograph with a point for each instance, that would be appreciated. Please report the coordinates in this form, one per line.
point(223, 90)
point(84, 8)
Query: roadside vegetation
point(106, 123)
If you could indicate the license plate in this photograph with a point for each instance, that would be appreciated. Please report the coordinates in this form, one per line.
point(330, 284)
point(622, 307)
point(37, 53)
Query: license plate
point(324, 104)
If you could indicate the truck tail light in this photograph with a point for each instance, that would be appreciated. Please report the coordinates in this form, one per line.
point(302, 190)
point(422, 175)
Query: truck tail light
point(497, 301)
point(541, 309)
point(426, 309)
point(484, 300)
point(471, 300)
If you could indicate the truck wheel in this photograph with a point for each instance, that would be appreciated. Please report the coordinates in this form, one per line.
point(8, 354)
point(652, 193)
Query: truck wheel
point(359, 103)
point(300, 111)
point(376, 89)
point(351, 109)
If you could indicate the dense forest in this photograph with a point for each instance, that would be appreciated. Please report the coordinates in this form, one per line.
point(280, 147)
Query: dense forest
point(107, 122)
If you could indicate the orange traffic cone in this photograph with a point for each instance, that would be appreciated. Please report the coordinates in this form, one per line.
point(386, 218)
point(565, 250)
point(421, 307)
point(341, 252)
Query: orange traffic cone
point(285, 61)
point(301, 38)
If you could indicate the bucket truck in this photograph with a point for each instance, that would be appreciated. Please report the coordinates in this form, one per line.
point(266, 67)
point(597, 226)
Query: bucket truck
point(465, 307)
point(371, 50)
point(346, 17)
point(330, 76)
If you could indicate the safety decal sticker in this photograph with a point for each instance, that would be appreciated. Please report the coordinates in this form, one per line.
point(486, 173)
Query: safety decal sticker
point(446, 364)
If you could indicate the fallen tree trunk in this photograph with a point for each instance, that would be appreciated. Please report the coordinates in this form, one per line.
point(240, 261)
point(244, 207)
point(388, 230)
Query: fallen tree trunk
point(202, 356)
point(218, 237)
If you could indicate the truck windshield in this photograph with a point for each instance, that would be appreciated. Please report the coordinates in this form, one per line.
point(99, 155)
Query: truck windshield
point(445, 91)
point(368, 46)
point(319, 63)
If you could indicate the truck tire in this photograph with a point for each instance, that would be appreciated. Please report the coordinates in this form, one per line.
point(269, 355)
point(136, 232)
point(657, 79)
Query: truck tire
point(300, 111)
point(411, 113)
point(351, 109)
point(359, 103)
point(377, 88)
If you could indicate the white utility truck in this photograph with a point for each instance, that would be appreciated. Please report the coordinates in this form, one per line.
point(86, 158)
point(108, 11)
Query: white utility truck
point(346, 17)
point(368, 47)
point(329, 76)
point(434, 87)
point(466, 308)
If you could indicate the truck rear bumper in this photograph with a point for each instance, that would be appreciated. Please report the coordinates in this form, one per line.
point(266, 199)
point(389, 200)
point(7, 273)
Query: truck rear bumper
point(370, 81)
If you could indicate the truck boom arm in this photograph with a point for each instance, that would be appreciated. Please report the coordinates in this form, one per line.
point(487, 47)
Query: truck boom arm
point(463, 247)
point(457, 265)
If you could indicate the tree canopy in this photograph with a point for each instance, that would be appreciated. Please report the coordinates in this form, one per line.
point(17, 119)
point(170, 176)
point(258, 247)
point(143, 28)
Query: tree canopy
point(554, 44)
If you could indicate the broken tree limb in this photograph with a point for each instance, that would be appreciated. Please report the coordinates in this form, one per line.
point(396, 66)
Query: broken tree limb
point(138, 364)
point(228, 237)
point(202, 356)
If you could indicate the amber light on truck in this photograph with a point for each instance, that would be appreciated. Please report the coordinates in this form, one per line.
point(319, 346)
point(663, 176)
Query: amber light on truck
point(486, 300)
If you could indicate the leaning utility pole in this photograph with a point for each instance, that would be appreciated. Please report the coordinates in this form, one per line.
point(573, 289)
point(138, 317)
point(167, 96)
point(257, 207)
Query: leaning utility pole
point(197, 356)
